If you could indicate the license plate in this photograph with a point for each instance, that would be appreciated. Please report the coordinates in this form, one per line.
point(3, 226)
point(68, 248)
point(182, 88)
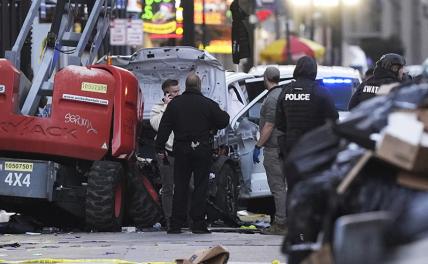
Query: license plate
point(18, 166)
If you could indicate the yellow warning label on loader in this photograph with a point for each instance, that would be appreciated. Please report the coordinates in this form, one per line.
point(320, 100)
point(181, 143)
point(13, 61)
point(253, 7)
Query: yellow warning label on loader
point(94, 87)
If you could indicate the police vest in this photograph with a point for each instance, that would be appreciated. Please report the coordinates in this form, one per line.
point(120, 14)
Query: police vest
point(371, 88)
point(301, 110)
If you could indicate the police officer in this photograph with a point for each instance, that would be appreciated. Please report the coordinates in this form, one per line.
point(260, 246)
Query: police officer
point(389, 69)
point(272, 161)
point(192, 117)
point(302, 106)
point(409, 80)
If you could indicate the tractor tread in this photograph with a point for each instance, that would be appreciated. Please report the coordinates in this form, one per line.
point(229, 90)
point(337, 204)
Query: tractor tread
point(103, 178)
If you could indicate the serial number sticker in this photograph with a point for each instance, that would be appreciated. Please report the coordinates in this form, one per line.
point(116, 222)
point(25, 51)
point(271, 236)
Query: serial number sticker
point(18, 166)
point(94, 87)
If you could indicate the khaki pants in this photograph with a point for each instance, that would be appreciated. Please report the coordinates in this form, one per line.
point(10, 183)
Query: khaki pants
point(277, 182)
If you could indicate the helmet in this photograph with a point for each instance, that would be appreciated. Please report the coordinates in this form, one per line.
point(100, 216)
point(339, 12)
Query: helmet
point(390, 59)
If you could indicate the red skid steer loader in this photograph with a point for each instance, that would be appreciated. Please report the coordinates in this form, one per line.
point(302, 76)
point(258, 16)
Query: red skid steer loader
point(77, 157)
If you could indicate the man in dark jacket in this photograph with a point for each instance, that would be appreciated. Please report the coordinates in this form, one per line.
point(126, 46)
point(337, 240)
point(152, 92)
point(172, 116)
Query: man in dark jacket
point(302, 106)
point(389, 69)
point(192, 117)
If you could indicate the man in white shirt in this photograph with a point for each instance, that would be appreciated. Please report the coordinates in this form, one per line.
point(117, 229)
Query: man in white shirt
point(170, 89)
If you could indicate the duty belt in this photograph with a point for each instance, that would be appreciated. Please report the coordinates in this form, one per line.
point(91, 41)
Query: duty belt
point(194, 143)
point(201, 141)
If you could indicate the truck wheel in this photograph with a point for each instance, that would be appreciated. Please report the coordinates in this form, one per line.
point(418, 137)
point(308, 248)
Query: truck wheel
point(144, 208)
point(105, 196)
point(227, 192)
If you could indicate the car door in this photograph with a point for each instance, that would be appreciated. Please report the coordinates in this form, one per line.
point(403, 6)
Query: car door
point(245, 126)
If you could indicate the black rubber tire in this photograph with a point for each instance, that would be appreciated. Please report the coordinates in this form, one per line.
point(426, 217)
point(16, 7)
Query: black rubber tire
point(227, 192)
point(144, 211)
point(103, 179)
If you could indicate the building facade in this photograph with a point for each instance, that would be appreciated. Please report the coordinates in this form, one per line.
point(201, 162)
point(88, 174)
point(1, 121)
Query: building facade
point(407, 20)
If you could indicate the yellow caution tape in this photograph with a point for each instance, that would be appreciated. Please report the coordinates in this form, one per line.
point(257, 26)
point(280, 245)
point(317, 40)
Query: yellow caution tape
point(114, 261)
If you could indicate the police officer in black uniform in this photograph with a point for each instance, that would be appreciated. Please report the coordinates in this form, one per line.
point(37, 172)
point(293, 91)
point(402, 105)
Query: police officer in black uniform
point(192, 117)
point(389, 69)
point(302, 106)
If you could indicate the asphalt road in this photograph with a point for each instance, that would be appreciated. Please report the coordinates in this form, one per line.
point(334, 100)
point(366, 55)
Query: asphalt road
point(140, 247)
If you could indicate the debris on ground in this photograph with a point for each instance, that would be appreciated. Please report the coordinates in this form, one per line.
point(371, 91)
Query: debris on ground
point(19, 224)
point(129, 229)
point(253, 220)
point(249, 217)
point(213, 255)
point(239, 230)
point(50, 230)
point(14, 245)
point(5, 216)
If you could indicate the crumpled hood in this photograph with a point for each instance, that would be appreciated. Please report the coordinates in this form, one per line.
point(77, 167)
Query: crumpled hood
point(306, 68)
point(151, 66)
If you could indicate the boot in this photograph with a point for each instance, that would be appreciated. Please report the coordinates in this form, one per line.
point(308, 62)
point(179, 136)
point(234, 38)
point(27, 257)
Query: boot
point(276, 229)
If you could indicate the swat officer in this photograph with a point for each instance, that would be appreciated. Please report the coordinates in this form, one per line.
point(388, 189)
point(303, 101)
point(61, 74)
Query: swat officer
point(192, 117)
point(302, 106)
point(389, 69)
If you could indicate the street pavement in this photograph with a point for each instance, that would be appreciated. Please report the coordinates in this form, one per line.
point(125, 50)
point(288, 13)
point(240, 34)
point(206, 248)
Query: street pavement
point(140, 247)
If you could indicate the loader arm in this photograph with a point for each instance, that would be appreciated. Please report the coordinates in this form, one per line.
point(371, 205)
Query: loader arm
point(61, 40)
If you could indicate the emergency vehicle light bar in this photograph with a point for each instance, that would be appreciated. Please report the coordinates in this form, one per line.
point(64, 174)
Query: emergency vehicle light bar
point(336, 80)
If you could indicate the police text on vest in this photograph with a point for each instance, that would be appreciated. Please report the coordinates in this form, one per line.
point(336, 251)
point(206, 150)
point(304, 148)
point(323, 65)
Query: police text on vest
point(370, 89)
point(297, 97)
